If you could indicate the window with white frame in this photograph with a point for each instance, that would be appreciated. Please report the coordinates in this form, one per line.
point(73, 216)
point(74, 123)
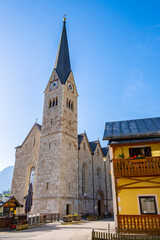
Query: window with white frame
point(147, 205)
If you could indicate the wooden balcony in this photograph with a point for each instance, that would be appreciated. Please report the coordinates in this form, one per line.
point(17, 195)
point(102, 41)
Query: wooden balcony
point(150, 166)
point(139, 223)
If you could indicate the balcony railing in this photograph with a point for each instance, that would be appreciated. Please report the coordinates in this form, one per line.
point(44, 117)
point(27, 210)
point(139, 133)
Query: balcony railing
point(138, 167)
point(139, 223)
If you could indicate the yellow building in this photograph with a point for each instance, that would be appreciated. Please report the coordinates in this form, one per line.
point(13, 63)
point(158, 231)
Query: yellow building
point(134, 148)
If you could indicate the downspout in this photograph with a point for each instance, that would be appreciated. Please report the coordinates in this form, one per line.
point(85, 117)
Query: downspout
point(93, 184)
point(106, 184)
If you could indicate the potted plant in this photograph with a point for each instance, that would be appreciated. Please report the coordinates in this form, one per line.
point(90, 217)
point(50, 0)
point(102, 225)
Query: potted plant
point(67, 218)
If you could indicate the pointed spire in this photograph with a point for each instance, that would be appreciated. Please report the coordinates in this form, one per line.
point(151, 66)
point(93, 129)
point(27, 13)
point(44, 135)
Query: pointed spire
point(62, 64)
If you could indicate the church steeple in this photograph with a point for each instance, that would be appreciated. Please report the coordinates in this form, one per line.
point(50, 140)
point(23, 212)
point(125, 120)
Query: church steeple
point(62, 64)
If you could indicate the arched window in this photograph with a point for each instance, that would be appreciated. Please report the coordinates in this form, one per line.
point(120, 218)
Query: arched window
point(31, 176)
point(53, 104)
point(50, 104)
point(84, 178)
point(72, 106)
point(67, 103)
point(99, 173)
point(56, 101)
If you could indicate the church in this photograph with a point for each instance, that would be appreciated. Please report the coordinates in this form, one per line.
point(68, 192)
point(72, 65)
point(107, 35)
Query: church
point(69, 174)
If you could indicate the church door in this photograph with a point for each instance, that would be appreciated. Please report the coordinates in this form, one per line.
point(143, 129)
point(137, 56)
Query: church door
point(99, 207)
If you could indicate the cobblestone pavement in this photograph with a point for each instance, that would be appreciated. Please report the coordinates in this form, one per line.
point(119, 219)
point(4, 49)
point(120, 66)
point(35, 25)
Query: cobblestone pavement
point(56, 231)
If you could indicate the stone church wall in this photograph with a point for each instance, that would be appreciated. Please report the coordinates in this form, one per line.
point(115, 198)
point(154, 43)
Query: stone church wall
point(26, 158)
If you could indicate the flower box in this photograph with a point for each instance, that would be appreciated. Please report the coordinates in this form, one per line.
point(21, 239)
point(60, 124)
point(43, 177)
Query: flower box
point(76, 217)
point(22, 226)
point(67, 218)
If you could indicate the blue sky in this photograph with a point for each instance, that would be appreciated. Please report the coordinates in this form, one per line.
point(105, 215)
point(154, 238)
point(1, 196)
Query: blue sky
point(115, 57)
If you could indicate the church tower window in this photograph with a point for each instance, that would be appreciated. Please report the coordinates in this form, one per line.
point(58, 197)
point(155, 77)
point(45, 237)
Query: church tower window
point(53, 102)
point(50, 103)
point(56, 101)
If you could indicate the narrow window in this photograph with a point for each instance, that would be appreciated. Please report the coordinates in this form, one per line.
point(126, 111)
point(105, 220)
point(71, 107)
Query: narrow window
point(50, 104)
point(98, 152)
point(56, 101)
point(69, 145)
point(53, 104)
point(69, 105)
point(84, 146)
point(148, 205)
point(49, 145)
point(31, 175)
point(51, 120)
point(34, 142)
point(47, 185)
point(72, 106)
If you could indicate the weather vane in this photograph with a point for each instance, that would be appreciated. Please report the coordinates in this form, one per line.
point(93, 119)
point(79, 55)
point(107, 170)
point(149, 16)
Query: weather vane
point(64, 17)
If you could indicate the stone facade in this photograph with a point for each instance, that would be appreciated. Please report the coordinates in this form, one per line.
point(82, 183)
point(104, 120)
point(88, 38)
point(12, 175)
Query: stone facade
point(70, 172)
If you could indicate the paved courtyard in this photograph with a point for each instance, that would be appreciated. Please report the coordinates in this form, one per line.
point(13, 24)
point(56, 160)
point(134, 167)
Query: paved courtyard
point(56, 231)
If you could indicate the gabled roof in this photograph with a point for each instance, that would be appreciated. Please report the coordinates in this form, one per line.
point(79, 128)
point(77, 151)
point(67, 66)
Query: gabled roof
point(105, 151)
point(7, 198)
point(39, 128)
point(80, 138)
point(62, 64)
point(131, 129)
point(93, 145)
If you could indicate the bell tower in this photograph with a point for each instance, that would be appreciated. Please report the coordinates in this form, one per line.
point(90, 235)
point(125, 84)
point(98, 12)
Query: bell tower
point(57, 172)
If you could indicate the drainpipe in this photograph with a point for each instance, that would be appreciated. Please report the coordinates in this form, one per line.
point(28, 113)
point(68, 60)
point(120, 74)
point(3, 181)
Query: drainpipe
point(106, 183)
point(93, 184)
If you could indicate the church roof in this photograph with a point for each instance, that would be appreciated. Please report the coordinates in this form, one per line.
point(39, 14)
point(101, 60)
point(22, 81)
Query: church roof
point(132, 129)
point(62, 64)
point(93, 145)
point(80, 138)
point(105, 151)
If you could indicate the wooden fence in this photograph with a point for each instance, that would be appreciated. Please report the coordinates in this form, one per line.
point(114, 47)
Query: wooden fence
point(96, 235)
point(139, 223)
point(136, 167)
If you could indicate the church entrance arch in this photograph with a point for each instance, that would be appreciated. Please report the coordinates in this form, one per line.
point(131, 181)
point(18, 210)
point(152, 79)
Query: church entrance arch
point(100, 202)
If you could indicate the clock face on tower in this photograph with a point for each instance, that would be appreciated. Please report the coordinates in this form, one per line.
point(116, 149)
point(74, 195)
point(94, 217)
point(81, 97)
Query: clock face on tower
point(53, 85)
point(70, 87)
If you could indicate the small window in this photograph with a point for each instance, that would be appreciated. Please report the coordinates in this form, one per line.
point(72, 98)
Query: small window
point(51, 120)
point(47, 185)
point(143, 151)
point(72, 106)
point(98, 152)
point(69, 105)
point(148, 205)
point(69, 145)
point(84, 146)
point(34, 142)
point(53, 104)
point(49, 145)
point(99, 174)
point(50, 104)
point(56, 101)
